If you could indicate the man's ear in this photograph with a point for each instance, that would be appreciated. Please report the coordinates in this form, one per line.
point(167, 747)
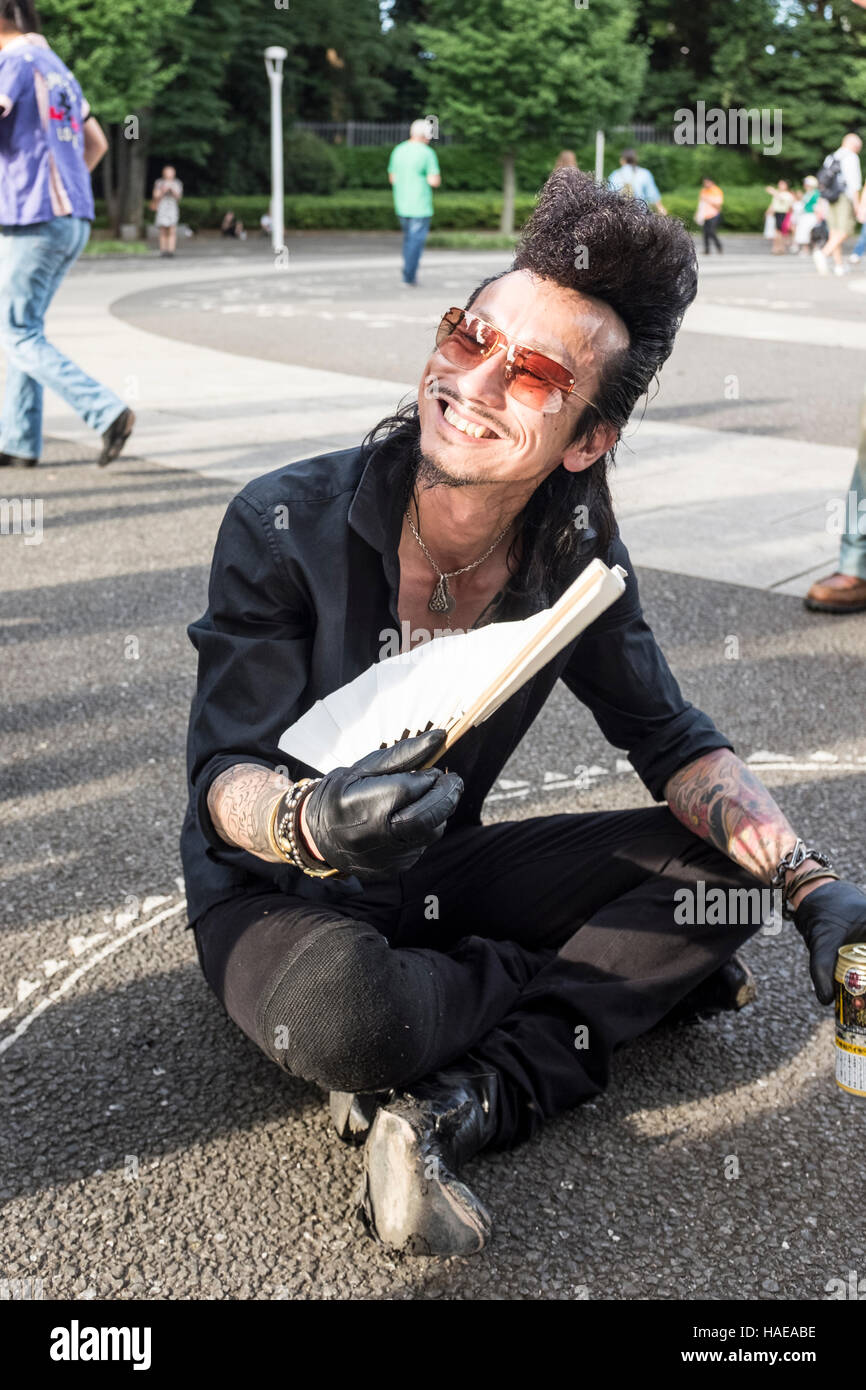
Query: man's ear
point(584, 454)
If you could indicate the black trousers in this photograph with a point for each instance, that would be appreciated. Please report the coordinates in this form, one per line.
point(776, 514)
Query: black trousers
point(539, 945)
point(710, 230)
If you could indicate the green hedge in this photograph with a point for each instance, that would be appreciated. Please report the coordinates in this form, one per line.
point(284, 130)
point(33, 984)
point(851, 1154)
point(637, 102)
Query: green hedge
point(353, 210)
point(373, 210)
point(469, 169)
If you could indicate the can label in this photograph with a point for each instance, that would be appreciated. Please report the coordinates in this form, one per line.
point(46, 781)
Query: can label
point(850, 1001)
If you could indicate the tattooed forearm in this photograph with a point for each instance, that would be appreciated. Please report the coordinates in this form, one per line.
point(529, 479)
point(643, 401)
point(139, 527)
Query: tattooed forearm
point(721, 800)
point(241, 801)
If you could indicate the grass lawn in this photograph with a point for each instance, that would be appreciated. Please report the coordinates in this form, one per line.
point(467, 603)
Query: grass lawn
point(116, 248)
point(471, 241)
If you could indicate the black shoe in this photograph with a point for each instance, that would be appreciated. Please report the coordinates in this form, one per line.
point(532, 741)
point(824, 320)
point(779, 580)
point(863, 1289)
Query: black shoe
point(116, 436)
point(730, 988)
point(353, 1112)
point(16, 461)
point(411, 1199)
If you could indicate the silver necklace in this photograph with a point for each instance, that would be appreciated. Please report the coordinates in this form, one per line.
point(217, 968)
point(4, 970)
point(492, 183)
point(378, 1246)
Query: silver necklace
point(442, 600)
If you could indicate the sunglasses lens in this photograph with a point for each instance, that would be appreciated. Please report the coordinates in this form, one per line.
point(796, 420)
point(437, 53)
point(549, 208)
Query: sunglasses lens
point(462, 341)
point(538, 382)
point(530, 377)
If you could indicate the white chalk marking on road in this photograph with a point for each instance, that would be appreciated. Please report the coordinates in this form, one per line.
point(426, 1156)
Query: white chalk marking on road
point(79, 944)
point(25, 989)
point(109, 950)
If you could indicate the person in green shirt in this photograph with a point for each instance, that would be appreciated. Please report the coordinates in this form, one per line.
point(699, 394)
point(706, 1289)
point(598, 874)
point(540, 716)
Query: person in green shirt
point(413, 172)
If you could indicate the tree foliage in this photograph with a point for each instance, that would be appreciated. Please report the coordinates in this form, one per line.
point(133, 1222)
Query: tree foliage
point(503, 72)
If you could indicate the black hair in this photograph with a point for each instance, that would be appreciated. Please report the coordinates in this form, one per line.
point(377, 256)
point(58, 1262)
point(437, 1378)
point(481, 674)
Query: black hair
point(644, 267)
point(21, 13)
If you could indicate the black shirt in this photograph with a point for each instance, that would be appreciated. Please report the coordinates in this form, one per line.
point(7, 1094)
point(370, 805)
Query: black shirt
point(303, 591)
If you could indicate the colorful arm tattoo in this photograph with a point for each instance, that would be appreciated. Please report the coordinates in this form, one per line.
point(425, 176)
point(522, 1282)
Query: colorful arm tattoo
point(721, 800)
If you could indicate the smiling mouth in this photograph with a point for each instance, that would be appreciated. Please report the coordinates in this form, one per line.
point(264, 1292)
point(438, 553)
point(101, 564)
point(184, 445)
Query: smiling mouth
point(470, 428)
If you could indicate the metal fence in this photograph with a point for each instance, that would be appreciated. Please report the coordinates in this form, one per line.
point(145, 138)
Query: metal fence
point(642, 134)
point(364, 132)
point(391, 132)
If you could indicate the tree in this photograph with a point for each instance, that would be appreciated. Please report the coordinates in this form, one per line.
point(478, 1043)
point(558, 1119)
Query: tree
point(116, 48)
point(677, 37)
point(501, 72)
point(819, 79)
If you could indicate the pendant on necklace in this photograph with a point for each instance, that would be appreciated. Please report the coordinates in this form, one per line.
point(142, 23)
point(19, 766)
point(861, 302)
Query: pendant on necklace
point(441, 601)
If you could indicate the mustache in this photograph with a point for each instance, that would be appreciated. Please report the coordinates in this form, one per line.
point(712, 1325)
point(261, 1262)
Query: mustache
point(433, 388)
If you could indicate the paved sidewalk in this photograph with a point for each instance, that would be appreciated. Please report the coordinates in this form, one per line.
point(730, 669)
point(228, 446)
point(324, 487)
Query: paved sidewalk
point(719, 504)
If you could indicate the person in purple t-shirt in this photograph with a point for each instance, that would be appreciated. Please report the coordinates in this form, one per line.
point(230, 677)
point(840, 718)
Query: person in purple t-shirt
point(49, 143)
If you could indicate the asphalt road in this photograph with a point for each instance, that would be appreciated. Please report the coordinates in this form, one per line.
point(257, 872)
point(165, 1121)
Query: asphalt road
point(152, 1152)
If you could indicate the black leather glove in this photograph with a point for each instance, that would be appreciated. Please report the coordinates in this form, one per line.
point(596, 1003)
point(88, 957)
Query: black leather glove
point(831, 916)
point(375, 819)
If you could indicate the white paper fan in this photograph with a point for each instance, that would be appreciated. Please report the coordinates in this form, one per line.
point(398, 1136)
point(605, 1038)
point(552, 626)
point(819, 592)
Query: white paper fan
point(450, 683)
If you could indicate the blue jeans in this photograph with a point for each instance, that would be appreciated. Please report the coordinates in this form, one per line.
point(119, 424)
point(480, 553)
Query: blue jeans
point(415, 231)
point(860, 243)
point(852, 552)
point(33, 262)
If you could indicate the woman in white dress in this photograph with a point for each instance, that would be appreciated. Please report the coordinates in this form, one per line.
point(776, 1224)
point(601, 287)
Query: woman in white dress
point(165, 201)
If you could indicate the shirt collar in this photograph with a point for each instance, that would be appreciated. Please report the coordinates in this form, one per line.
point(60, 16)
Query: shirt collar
point(37, 40)
point(376, 509)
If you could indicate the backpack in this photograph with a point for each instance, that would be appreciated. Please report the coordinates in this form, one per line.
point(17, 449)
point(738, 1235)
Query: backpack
point(831, 180)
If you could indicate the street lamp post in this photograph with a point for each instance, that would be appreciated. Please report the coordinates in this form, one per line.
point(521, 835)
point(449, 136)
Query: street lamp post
point(274, 59)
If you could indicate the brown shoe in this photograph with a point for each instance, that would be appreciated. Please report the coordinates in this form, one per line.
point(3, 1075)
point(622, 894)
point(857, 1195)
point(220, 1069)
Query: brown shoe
point(838, 593)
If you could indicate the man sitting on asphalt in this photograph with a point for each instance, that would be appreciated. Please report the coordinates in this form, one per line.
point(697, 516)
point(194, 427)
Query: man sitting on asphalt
point(458, 983)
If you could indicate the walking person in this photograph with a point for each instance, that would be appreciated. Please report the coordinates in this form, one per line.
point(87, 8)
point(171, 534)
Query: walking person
point(841, 183)
point(782, 200)
point(49, 143)
point(844, 591)
point(709, 214)
point(633, 180)
point(165, 201)
point(807, 219)
point(413, 173)
point(860, 244)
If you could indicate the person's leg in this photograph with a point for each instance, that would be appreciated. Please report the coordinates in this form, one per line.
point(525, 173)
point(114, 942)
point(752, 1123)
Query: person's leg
point(713, 231)
point(171, 239)
point(40, 257)
point(844, 591)
point(365, 1005)
point(859, 248)
point(405, 224)
point(21, 419)
point(418, 229)
point(852, 550)
point(329, 999)
point(601, 890)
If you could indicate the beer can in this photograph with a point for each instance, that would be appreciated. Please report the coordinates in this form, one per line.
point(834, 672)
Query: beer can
point(850, 977)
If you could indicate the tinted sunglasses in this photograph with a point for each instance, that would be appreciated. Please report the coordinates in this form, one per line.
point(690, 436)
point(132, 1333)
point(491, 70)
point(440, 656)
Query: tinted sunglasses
point(536, 380)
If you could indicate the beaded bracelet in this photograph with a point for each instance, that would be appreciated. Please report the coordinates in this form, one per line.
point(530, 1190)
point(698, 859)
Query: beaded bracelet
point(285, 832)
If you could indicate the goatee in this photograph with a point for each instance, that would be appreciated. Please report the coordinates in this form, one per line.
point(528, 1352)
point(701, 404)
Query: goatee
point(429, 473)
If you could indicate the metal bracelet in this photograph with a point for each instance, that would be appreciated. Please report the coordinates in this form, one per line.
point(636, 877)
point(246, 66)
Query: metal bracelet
point(795, 857)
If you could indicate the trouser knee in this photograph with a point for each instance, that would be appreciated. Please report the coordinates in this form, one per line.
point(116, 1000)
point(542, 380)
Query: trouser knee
point(350, 1012)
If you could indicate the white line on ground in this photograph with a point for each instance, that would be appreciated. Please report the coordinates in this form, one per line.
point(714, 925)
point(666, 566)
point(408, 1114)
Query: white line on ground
point(24, 1025)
